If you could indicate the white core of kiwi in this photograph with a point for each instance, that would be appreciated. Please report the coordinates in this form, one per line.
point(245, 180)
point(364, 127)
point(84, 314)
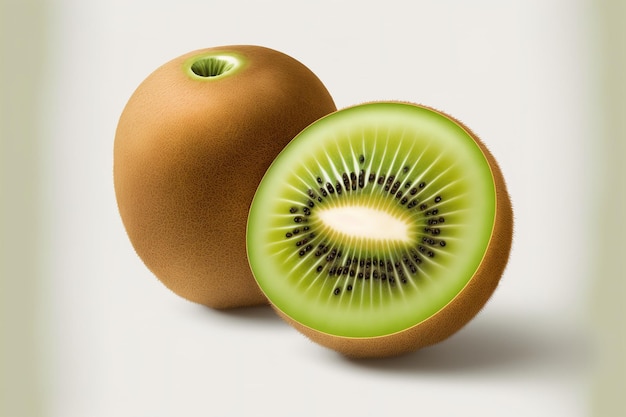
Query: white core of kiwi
point(361, 222)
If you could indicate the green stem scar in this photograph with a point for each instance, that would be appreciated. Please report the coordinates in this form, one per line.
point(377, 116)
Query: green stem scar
point(213, 66)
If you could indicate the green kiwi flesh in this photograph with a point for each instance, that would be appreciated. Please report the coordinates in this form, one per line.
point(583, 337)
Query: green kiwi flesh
point(375, 220)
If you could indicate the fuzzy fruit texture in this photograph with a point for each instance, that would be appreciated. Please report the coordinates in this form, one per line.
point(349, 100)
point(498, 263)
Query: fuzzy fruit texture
point(191, 146)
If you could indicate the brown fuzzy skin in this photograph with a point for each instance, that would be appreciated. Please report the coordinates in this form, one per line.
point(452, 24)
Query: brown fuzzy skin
point(188, 157)
point(455, 314)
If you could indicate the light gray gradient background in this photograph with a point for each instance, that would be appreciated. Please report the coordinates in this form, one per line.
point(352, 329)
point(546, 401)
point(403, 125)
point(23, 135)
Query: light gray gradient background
point(87, 330)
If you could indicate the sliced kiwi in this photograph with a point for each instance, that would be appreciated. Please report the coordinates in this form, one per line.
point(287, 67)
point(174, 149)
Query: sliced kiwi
point(380, 228)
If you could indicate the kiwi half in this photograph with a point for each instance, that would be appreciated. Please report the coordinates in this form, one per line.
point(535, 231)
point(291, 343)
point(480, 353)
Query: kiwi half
point(381, 228)
point(191, 146)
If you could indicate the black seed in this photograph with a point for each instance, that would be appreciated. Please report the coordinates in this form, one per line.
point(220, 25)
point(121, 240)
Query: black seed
point(392, 280)
point(339, 270)
point(306, 228)
point(320, 268)
point(395, 187)
point(319, 199)
point(390, 179)
point(297, 219)
point(331, 271)
point(435, 231)
point(323, 191)
point(442, 243)
point(330, 188)
point(337, 291)
point(386, 187)
point(339, 254)
point(383, 277)
point(381, 180)
point(413, 191)
point(423, 207)
point(404, 281)
point(431, 254)
point(296, 231)
point(405, 169)
point(404, 200)
point(422, 184)
point(349, 287)
point(399, 194)
point(375, 274)
point(308, 248)
point(360, 275)
point(311, 204)
point(345, 271)
point(293, 210)
point(302, 253)
point(437, 199)
point(288, 234)
point(318, 253)
point(338, 188)
point(299, 243)
point(407, 184)
point(375, 262)
point(361, 158)
point(311, 194)
point(433, 221)
point(306, 211)
point(361, 263)
point(319, 180)
point(441, 219)
point(352, 272)
point(435, 211)
point(372, 177)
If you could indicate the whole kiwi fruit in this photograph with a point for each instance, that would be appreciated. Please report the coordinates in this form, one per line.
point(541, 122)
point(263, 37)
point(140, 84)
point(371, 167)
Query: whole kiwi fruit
point(381, 228)
point(191, 146)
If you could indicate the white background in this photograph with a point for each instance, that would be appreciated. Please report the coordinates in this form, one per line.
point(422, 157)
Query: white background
point(519, 73)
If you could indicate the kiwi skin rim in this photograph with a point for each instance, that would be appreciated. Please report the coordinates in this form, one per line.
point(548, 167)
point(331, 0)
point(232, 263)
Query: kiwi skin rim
point(461, 309)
